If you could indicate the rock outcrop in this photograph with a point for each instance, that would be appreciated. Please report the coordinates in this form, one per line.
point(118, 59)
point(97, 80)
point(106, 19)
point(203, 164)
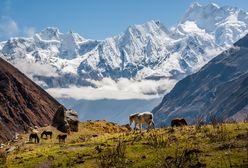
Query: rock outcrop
point(65, 120)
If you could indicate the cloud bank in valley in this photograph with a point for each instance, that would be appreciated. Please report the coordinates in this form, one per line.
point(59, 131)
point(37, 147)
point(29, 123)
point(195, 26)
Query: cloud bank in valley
point(35, 68)
point(123, 89)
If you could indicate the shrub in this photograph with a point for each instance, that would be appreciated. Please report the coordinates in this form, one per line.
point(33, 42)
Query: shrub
point(113, 157)
point(3, 158)
point(215, 120)
point(186, 158)
point(218, 134)
point(157, 140)
point(198, 121)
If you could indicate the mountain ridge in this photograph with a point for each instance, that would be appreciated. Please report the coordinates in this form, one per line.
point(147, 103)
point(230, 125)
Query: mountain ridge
point(23, 103)
point(142, 52)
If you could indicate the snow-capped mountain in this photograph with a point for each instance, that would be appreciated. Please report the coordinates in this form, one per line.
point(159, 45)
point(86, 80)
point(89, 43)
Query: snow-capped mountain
point(146, 51)
point(226, 24)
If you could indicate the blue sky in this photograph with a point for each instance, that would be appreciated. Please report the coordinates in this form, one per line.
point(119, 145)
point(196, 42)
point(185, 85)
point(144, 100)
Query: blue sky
point(95, 19)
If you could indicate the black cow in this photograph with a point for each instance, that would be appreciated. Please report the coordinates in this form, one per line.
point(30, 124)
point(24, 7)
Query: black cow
point(178, 122)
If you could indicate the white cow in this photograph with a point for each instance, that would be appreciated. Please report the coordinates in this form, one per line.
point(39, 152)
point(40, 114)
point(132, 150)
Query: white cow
point(140, 118)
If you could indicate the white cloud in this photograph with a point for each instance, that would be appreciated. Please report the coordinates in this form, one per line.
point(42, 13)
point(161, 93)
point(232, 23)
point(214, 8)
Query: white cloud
point(29, 31)
point(212, 52)
point(8, 27)
point(122, 89)
point(35, 68)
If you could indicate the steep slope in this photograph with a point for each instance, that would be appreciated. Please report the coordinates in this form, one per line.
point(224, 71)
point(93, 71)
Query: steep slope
point(220, 88)
point(22, 102)
point(146, 51)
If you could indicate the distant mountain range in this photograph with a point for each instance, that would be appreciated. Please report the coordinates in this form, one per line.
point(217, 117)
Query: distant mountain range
point(219, 89)
point(23, 104)
point(141, 52)
point(149, 51)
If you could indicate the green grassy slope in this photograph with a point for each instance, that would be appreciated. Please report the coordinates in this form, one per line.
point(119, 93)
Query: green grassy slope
point(103, 144)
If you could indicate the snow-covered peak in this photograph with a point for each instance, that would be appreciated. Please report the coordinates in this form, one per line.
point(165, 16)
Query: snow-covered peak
point(213, 6)
point(225, 24)
point(205, 16)
point(142, 33)
point(77, 38)
point(50, 33)
point(150, 27)
point(194, 5)
point(142, 51)
point(198, 7)
point(70, 45)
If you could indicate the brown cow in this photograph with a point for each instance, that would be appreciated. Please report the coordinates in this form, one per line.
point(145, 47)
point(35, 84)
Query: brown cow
point(50, 133)
point(35, 137)
point(62, 137)
point(178, 122)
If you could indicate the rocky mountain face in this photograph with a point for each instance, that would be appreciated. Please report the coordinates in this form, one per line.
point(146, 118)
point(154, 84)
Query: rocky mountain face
point(23, 104)
point(146, 51)
point(220, 88)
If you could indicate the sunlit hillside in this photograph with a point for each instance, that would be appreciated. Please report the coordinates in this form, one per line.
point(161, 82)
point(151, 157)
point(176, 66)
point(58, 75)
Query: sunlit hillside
point(104, 144)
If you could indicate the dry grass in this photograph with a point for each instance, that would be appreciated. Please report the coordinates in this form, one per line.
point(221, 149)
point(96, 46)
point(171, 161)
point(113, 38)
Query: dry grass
point(103, 144)
point(113, 156)
point(3, 158)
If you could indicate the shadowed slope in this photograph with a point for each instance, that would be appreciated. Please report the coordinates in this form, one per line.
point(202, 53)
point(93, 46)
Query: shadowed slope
point(22, 102)
point(219, 88)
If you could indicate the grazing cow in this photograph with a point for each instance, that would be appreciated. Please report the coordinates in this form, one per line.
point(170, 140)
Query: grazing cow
point(35, 137)
point(62, 137)
point(178, 122)
point(50, 133)
point(140, 118)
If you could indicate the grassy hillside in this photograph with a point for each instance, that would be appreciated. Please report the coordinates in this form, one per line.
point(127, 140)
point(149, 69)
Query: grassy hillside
point(104, 144)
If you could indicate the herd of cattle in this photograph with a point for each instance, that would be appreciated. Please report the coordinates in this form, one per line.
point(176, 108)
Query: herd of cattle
point(147, 118)
point(34, 136)
point(136, 118)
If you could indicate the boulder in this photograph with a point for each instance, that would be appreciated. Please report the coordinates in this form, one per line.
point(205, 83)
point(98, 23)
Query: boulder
point(65, 120)
point(72, 119)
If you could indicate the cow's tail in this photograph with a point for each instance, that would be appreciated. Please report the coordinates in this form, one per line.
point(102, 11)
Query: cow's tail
point(152, 122)
point(130, 121)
